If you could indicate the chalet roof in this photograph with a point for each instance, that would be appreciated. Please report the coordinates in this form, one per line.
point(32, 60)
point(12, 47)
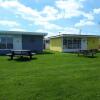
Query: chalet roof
point(23, 33)
point(74, 35)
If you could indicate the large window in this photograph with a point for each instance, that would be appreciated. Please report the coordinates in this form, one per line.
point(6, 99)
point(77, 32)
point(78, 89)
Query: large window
point(72, 43)
point(6, 43)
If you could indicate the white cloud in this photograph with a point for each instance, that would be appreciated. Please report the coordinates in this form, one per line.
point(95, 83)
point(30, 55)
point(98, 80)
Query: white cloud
point(50, 33)
point(9, 23)
point(48, 26)
point(33, 16)
point(82, 0)
point(7, 0)
point(20, 9)
point(8, 4)
point(17, 29)
point(63, 30)
point(45, 17)
point(89, 16)
point(70, 30)
point(37, 1)
point(69, 8)
point(96, 11)
point(69, 4)
point(84, 22)
point(49, 13)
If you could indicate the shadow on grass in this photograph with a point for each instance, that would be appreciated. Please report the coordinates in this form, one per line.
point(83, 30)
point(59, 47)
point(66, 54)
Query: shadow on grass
point(87, 56)
point(91, 56)
point(45, 52)
point(22, 59)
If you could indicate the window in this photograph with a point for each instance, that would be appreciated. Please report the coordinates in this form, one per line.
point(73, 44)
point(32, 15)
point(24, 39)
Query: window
point(72, 43)
point(9, 43)
point(2, 43)
point(6, 43)
point(77, 43)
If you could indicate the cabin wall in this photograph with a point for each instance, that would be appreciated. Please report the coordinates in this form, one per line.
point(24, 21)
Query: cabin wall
point(34, 43)
point(19, 42)
point(92, 43)
point(56, 44)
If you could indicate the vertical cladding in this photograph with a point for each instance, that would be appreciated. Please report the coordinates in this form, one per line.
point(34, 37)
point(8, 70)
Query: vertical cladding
point(93, 43)
point(34, 43)
point(56, 44)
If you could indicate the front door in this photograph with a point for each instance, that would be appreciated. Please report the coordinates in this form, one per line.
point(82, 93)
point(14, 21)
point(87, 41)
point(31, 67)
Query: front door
point(84, 43)
point(17, 42)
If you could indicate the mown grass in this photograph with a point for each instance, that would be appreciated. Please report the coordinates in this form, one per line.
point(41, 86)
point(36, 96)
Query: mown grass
point(50, 76)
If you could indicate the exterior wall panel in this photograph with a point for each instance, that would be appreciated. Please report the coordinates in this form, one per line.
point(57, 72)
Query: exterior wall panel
point(34, 43)
point(56, 44)
point(92, 43)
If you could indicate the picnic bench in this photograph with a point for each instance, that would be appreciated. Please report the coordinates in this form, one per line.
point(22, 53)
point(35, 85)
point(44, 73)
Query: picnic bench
point(88, 53)
point(20, 53)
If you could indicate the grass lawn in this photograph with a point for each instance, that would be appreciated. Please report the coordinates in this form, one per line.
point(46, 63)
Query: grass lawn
point(57, 76)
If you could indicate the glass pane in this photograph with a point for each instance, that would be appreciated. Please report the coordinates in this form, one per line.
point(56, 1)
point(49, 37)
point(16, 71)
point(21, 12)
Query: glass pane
point(9, 46)
point(76, 43)
point(2, 43)
point(70, 45)
point(9, 43)
point(65, 41)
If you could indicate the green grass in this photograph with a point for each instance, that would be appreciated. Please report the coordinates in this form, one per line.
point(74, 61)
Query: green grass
point(58, 76)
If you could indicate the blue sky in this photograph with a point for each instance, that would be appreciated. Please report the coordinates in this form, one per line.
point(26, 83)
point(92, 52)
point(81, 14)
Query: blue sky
point(51, 16)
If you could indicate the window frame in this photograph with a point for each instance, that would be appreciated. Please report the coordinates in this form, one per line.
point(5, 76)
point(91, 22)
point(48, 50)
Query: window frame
point(69, 43)
point(6, 42)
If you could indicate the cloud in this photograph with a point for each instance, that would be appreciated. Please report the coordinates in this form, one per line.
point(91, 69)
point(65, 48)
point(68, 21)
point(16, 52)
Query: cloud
point(48, 26)
point(89, 16)
point(39, 18)
point(17, 29)
point(69, 8)
point(9, 23)
point(70, 30)
point(8, 4)
point(69, 4)
point(63, 30)
point(84, 22)
point(96, 11)
point(37, 1)
point(46, 31)
point(82, 0)
point(20, 9)
point(7, 0)
point(49, 13)
point(46, 17)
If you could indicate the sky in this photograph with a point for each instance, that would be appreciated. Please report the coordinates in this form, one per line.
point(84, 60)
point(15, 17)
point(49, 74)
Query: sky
point(51, 16)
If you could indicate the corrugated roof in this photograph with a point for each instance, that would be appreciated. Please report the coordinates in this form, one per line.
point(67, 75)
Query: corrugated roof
point(23, 33)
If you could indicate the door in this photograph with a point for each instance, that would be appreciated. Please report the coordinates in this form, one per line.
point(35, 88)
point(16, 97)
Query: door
point(84, 43)
point(17, 42)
